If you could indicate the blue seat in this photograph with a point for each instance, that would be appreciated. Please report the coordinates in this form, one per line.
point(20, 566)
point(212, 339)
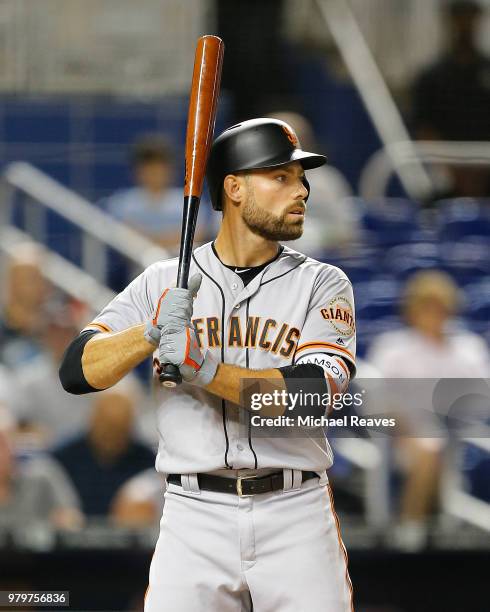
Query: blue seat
point(389, 221)
point(477, 308)
point(377, 310)
point(360, 265)
point(377, 298)
point(377, 304)
point(462, 217)
point(476, 467)
point(478, 299)
point(468, 259)
point(405, 259)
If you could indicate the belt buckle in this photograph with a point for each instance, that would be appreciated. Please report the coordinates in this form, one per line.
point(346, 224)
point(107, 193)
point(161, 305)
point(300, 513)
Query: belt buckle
point(239, 485)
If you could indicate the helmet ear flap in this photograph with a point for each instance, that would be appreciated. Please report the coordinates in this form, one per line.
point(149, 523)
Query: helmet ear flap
point(307, 185)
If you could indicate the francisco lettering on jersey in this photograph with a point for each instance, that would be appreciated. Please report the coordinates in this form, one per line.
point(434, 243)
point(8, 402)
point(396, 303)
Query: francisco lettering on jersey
point(339, 313)
point(257, 333)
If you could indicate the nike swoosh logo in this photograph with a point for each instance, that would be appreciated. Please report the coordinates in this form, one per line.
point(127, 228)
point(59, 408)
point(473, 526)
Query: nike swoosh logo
point(242, 271)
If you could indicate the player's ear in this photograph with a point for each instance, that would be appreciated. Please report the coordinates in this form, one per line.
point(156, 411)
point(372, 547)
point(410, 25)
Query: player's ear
point(233, 188)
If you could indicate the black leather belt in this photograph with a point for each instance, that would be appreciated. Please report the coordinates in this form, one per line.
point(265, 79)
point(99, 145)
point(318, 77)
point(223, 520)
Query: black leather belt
point(243, 485)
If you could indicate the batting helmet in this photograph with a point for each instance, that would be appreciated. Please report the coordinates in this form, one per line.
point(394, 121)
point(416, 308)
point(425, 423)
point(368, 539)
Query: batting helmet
point(254, 144)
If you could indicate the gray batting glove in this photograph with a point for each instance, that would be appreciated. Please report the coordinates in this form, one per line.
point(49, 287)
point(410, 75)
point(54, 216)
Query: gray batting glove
point(180, 347)
point(174, 308)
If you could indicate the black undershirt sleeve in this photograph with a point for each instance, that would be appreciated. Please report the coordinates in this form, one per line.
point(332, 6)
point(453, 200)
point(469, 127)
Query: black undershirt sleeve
point(71, 372)
point(295, 377)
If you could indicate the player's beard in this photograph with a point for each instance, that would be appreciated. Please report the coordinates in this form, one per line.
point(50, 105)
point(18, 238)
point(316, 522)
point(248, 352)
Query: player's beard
point(269, 226)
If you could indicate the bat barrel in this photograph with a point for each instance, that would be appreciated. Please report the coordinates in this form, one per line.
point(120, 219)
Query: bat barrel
point(203, 104)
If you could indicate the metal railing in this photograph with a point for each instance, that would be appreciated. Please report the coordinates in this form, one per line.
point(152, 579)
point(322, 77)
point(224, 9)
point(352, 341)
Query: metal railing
point(372, 88)
point(372, 457)
point(61, 273)
point(380, 167)
point(98, 229)
point(457, 502)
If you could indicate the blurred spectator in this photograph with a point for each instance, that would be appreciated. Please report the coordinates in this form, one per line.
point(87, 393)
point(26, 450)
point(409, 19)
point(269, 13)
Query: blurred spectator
point(33, 490)
point(42, 405)
point(451, 98)
point(139, 502)
point(102, 460)
point(153, 207)
point(25, 293)
point(8, 387)
point(331, 222)
point(426, 348)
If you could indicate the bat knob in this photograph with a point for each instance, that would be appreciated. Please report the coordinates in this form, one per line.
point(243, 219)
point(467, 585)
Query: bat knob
point(170, 376)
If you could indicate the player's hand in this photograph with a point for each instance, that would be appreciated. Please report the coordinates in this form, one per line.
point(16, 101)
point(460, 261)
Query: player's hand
point(174, 308)
point(179, 346)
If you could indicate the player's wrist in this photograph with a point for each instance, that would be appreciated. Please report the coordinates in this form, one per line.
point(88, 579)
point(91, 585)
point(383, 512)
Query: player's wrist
point(206, 373)
point(152, 333)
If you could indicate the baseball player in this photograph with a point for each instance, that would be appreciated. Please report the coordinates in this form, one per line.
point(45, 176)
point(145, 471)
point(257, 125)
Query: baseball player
point(248, 521)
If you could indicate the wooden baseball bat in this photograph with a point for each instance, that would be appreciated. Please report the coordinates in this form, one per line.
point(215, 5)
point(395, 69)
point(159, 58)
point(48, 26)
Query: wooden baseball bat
point(203, 103)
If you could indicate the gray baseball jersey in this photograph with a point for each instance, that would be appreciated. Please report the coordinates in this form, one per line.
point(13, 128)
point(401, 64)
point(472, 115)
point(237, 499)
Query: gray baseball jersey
point(293, 310)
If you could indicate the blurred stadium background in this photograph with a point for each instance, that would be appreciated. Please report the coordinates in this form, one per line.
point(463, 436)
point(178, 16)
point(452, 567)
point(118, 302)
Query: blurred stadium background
point(93, 103)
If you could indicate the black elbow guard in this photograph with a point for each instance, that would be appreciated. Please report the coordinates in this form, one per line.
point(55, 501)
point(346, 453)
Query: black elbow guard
point(71, 372)
point(306, 387)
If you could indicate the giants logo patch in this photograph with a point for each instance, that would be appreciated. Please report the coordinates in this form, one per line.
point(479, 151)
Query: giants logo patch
point(339, 313)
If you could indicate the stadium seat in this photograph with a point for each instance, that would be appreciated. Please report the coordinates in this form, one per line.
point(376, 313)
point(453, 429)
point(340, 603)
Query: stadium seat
point(468, 259)
point(360, 265)
point(477, 308)
point(403, 260)
point(376, 310)
point(478, 302)
point(389, 221)
point(463, 217)
point(377, 299)
point(476, 468)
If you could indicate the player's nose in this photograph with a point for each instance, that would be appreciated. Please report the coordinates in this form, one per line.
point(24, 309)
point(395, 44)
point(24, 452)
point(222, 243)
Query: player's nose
point(301, 191)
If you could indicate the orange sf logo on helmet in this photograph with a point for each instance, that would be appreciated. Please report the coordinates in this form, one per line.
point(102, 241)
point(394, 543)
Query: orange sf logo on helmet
point(293, 139)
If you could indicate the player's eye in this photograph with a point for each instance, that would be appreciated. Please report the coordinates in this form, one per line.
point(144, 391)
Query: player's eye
point(281, 178)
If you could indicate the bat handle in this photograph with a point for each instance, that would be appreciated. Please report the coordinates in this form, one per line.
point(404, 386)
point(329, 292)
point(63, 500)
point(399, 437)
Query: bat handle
point(170, 375)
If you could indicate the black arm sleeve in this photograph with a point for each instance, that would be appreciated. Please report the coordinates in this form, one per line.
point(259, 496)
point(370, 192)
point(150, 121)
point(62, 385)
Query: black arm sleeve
point(307, 382)
point(71, 372)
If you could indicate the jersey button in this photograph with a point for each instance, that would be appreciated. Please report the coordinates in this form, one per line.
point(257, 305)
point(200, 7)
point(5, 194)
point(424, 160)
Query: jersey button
point(234, 286)
point(237, 306)
point(240, 447)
